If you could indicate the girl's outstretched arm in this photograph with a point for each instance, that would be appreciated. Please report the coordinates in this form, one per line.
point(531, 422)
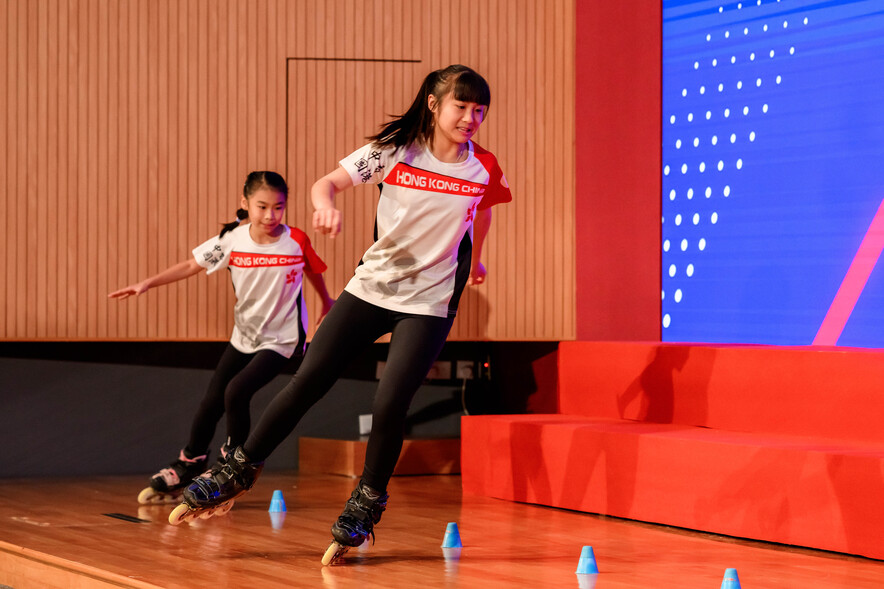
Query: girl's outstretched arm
point(174, 273)
point(318, 283)
point(481, 225)
point(327, 218)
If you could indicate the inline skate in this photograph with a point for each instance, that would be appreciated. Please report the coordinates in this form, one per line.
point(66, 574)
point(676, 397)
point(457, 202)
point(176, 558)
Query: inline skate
point(214, 494)
point(362, 511)
point(167, 485)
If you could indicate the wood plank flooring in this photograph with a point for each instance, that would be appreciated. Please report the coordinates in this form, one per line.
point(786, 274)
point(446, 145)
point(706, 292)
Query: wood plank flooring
point(91, 533)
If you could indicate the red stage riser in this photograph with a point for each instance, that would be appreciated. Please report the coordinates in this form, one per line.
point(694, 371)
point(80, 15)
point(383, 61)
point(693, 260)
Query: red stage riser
point(830, 393)
point(765, 476)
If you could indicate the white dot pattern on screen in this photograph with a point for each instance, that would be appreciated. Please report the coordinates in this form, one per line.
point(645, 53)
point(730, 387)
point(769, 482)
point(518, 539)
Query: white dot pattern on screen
point(721, 123)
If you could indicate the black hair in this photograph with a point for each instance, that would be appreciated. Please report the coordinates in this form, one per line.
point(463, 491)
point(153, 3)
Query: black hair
point(256, 181)
point(416, 124)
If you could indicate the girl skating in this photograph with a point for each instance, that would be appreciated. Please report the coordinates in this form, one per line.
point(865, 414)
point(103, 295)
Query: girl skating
point(267, 261)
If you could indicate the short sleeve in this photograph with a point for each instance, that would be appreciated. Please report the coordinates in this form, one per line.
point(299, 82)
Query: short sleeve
point(212, 255)
point(366, 165)
point(312, 262)
point(498, 191)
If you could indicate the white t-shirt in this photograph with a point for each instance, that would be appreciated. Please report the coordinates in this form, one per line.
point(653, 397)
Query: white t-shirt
point(420, 260)
point(270, 312)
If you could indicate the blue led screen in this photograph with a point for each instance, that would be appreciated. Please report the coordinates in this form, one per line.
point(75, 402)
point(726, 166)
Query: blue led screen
point(773, 172)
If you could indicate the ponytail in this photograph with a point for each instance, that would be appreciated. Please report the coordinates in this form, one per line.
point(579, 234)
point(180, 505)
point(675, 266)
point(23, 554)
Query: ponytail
point(241, 215)
point(416, 125)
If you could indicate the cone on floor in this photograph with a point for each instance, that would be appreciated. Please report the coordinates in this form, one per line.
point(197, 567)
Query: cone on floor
point(452, 536)
point(731, 580)
point(587, 565)
point(277, 503)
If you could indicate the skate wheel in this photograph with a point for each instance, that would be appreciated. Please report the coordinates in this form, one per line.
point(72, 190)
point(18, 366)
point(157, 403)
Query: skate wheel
point(147, 496)
point(333, 553)
point(180, 514)
point(150, 496)
point(223, 508)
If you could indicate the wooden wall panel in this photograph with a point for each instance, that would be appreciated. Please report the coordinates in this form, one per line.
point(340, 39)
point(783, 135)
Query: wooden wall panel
point(128, 126)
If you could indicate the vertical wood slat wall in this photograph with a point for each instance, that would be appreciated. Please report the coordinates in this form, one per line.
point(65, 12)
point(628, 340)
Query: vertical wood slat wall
point(128, 126)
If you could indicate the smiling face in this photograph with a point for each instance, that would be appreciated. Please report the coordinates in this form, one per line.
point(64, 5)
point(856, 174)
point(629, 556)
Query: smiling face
point(266, 208)
point(455, 121)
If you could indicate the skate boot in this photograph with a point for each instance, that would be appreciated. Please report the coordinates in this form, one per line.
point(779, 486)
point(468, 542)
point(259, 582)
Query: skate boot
point(214, 495)
point(225, 451)
point(167, 485)
point(362, 511)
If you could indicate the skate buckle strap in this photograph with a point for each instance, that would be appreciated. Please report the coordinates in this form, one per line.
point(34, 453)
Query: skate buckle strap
point(355, 526)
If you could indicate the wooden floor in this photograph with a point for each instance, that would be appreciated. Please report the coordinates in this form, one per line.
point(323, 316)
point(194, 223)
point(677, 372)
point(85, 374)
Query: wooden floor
point(91, 533)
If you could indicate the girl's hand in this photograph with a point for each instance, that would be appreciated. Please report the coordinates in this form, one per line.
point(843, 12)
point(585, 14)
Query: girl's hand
point(131, 290)
point(477, 274)
point(326, 307)
point(327, 220)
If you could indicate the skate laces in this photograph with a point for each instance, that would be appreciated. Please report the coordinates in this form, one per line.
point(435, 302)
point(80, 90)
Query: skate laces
point(209, 488)
point(355, 526)
point(169, 476)
point(225, 451)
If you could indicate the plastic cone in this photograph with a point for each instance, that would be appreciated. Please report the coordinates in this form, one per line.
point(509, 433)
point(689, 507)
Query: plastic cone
point(277, 503)
point(587, 565)
point(731, 580)
point(452, 537)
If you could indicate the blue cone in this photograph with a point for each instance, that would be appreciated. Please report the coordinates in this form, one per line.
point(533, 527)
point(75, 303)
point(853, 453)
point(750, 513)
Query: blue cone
point(587, 565)
point(731, 580)
point(277, 503)
point(452, 537)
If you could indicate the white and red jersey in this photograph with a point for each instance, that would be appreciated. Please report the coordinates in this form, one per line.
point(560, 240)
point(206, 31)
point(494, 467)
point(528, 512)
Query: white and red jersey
point(270, 312)
point(420, 260)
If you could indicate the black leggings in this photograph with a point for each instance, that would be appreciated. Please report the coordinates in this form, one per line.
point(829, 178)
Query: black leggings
point(236, 380)
point(352, 325)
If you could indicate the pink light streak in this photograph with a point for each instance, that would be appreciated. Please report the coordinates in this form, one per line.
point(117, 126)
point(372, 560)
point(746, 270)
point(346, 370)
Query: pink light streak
point(854, 282)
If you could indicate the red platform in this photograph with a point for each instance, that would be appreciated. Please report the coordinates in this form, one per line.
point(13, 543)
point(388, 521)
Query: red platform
point(770, 443)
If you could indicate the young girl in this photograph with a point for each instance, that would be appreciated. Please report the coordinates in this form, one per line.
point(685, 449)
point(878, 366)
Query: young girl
point(437, 188)
point(267, 262)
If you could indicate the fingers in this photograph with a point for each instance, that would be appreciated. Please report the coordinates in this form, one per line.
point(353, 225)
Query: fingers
point(477, 274)
point(327, 221)
point(125, 293)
